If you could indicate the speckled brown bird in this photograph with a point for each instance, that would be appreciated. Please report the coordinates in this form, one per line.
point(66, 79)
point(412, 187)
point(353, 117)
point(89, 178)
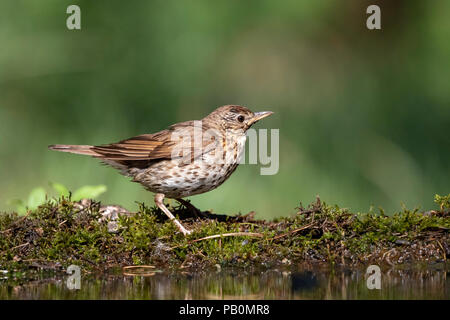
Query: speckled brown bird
point(186, 159)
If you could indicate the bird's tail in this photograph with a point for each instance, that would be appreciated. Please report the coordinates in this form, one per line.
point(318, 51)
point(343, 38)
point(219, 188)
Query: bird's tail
point(77, 149)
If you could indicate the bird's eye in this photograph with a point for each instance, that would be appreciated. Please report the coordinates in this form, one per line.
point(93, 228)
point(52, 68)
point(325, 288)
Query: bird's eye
point(241, 118)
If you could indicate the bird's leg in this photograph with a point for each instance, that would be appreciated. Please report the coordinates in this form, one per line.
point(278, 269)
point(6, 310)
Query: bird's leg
point(191, 207)
point(159, 197)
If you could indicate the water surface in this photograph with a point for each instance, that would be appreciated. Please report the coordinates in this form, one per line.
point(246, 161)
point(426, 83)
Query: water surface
point(293, 283)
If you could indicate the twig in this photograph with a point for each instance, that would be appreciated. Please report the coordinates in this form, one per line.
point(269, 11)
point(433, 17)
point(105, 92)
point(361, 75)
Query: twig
point(139, 267)
point(292, 231)
point(20, 245)
point(16, 247)
point(59, 225)
point(443, 251)
point(144, 274)
point(386, 256)
point(233, 234)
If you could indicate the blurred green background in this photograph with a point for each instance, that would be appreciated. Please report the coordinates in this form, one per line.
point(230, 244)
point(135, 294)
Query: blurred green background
point(364, 116)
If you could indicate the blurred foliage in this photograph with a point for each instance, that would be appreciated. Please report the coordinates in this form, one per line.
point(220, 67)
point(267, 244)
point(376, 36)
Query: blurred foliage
point(38, 196)
point(363, 115)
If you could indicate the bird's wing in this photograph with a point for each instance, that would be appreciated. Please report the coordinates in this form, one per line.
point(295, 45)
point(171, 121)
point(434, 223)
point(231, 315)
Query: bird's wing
point(175, 142)
point(142, 147)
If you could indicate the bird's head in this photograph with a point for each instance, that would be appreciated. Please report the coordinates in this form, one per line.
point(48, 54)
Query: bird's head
point(234, 117)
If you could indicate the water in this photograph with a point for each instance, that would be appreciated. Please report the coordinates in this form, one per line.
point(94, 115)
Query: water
point(300, 283)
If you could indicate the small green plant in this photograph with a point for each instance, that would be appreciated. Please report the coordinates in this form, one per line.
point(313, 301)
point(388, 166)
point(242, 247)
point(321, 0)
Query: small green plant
point(38, 196)
point(442, 201)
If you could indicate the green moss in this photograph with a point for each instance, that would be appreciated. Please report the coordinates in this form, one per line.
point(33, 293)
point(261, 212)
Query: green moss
point(61, 233)
point(442, 201)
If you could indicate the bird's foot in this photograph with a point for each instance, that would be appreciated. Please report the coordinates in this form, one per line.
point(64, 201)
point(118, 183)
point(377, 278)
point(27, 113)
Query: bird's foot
point(183, 230)
point(159, 197)
point(197, 212)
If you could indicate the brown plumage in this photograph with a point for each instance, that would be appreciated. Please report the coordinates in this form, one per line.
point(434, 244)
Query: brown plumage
point(188, 158)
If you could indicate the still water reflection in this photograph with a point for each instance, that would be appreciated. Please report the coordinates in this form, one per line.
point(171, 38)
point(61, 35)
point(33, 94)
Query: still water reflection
point(236, 284)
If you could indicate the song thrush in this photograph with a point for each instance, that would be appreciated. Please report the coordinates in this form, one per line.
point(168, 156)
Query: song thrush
point(186, 159)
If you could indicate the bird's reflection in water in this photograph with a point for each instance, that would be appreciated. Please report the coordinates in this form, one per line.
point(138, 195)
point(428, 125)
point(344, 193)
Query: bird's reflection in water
point(303, 281)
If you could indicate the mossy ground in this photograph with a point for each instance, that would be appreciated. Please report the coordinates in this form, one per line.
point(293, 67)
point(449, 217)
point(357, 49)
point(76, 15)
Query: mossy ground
point(61, 233)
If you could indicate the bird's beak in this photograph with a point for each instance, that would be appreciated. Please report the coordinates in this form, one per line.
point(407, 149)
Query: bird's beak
point(260, 115)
